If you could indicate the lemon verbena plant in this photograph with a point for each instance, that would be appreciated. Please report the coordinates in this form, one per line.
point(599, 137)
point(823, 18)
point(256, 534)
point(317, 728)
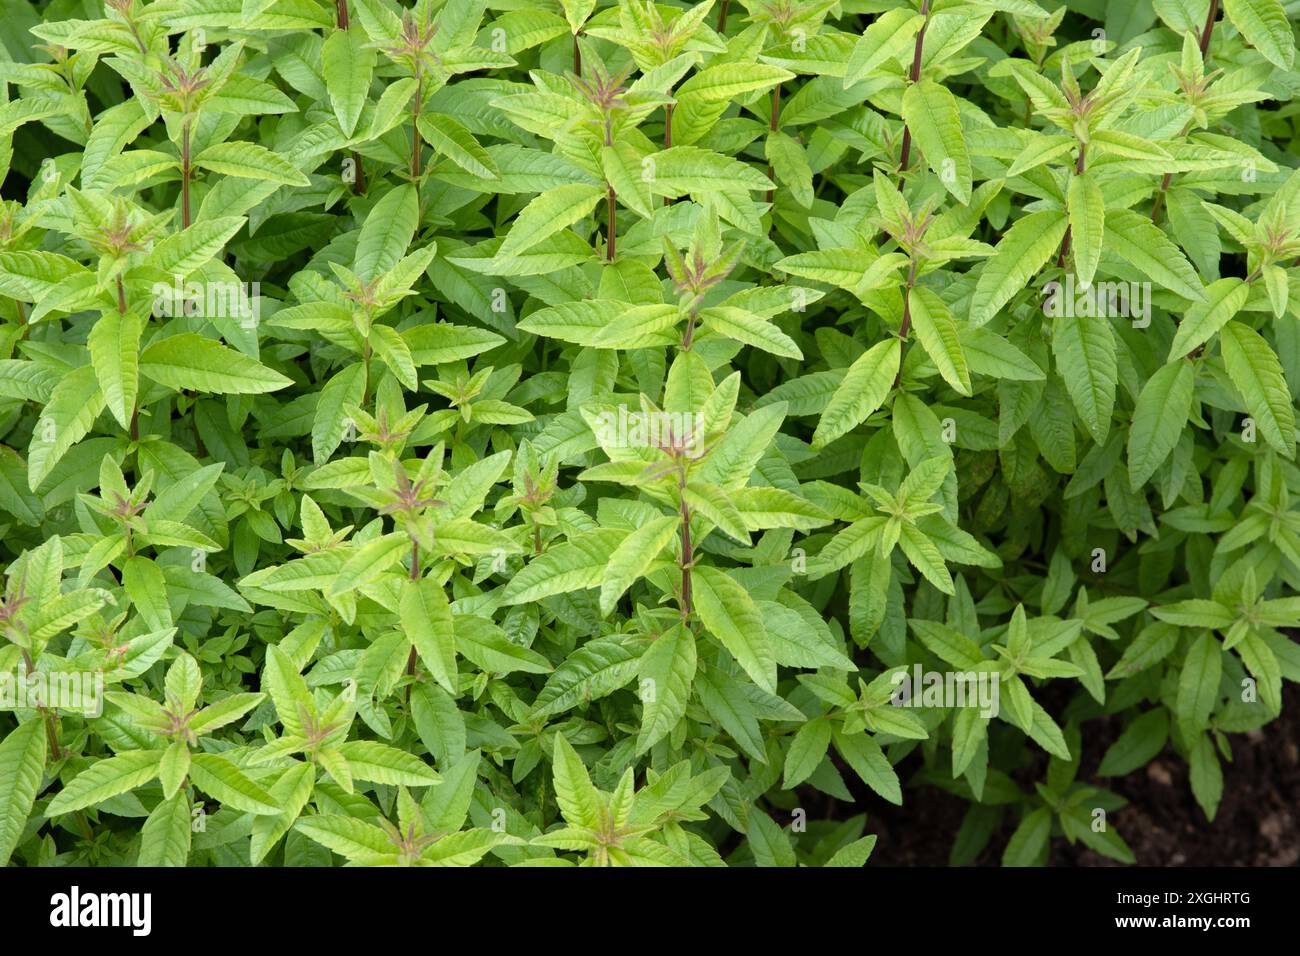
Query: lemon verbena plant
point(631, 432)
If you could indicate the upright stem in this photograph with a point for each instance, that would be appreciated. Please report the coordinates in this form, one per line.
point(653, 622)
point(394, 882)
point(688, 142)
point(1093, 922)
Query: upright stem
point(775, 122)
point(905, 326)
point(913, 76)
point(185, 175)
point(1079, 165)
point(412, 657)
point(1209, 27)
point(722, 16)
point(121, 297)
point(341, 20)
point(577, 57)
point(415, 128)
point(611, 230)
point(1206, 33)
point(688, 552)
point(1159, 204)
point(51, 727)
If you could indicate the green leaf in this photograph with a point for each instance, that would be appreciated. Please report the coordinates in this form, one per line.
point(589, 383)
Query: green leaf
point(1087, 208)
point(387, 233)
point(426, 619)
point(633, 556)
point(191, 361)
point(217, 776)
point(250, 161)
point(1135, 240)
point(1022, 251)
point(104, 779)
point(931, 115)
point(22, 765)
point(165, 838)
point(450, 138)
point(862, 391)
point(578, 800)
point(807, 751)
point(1257, 374)
point(550, 212)
point(1198, 682)
point(1223, 300)
point(1159, 420)
point(938, 334)
point(347, 65)
point(1141, 740)
point(1084, 347)
point(115, 352)
point(1265, 26)
point(380, 763)
point(665, 674)
point(728, 613)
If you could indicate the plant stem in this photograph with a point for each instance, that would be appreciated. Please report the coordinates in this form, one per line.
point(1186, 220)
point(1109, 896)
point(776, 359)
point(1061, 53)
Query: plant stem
point(185, 175)
point(775, 123)
point(577, 57)
point(905, 326)
point(341, 19)
point(913, 76)
point(1209, 27)
point(611, 230)
point(412, 657)
point(415, 129)
point(51, 729)
point(722, 16)
point(1158, 205)
point(121, 297)
point(1079, 165)
point(688, 553)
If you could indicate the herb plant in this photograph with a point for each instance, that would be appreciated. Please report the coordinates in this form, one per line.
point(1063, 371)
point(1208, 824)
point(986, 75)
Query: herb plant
point(552, 433)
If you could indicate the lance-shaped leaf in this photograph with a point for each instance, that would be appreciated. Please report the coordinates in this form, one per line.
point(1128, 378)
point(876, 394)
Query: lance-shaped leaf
point(729, 614)
point(22, 765)
point(1257, 374)
point(1087, 208)
point(931, 115)
point(1022, 251)
point(938, 334)
point(426, 619)
point(864, 388)
point(1159, 419)
point(194, 362)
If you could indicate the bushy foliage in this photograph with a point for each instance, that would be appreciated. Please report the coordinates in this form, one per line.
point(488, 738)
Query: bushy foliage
point(617, 432)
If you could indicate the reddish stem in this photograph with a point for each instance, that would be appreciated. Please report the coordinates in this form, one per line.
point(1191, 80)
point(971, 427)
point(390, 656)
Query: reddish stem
point(185, 175)
point(913, 76)
point(1209, 27)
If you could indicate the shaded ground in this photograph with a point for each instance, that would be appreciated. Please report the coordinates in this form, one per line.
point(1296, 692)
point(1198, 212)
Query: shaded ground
point(1258, 822)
